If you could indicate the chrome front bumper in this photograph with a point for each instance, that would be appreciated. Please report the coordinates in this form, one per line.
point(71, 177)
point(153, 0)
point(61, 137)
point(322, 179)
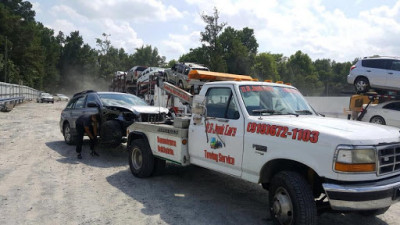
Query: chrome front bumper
point(363, 196)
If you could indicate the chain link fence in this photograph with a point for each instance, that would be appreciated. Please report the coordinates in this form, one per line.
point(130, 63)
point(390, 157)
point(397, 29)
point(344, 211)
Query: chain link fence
point(13, 94)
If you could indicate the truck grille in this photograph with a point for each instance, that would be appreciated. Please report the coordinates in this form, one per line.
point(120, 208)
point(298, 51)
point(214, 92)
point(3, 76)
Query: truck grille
point(152, 117)
point(388, 159)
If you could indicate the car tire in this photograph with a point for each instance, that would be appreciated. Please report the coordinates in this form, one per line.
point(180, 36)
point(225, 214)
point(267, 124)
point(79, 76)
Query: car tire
point(141, 160)
point(111, 133)
point(291, 200)
point(361, 85)
point(68, 137)
point(378, 120)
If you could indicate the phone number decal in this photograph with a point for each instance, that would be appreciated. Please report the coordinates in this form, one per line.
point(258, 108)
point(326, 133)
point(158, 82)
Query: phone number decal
point(283, 132)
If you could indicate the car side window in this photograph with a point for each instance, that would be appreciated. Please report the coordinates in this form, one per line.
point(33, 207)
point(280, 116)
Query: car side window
point(220, 103)
point(395, 65)
point(180, 69)
point(71, 103)
point(393, 106)
point(80, 102)
point(375, 63)
point(186, 71)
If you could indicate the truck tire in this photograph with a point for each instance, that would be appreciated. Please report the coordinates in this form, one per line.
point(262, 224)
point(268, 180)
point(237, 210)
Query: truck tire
point(291, 200)
point(111, 133)
point(141, 160)
point(68, 137)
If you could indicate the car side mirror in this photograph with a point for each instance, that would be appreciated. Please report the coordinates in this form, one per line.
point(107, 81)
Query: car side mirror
point(92, 104)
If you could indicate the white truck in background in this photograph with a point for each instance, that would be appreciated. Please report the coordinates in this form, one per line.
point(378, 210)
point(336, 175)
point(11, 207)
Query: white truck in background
point(267, 133)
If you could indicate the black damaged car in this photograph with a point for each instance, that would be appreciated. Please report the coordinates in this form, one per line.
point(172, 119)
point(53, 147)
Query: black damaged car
point(117, 111)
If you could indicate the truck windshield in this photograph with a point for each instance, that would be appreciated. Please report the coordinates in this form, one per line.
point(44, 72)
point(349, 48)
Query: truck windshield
point(274, 100)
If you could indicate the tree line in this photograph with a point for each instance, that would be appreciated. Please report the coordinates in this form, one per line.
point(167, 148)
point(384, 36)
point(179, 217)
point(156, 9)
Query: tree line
point(33, 55)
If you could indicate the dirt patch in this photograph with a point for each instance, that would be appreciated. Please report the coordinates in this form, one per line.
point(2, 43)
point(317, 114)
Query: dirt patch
point(42, 182)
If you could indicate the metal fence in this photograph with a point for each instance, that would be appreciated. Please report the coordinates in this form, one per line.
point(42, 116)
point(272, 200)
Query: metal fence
point(12, 94)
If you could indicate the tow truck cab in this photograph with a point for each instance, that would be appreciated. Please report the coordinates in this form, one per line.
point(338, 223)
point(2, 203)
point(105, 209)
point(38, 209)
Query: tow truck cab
point(267, 133)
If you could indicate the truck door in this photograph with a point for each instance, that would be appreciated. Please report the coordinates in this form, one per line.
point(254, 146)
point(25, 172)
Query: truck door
point(217, 142)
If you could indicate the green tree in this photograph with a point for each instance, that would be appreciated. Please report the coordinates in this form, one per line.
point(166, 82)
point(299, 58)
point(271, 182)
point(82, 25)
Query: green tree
point(239, 48)
point(303, 74)
point(210, 41)
point(197, 55)
point(147, 56)
point(324, 70)
point(265, 67)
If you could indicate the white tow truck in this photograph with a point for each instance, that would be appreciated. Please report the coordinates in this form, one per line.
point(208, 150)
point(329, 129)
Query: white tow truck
point(267, 133)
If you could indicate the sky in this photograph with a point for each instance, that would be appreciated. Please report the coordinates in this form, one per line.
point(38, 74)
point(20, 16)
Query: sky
point(340, 30)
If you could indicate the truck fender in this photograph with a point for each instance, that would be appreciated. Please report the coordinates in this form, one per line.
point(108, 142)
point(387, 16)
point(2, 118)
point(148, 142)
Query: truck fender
point(276, 165)
point(134, 135)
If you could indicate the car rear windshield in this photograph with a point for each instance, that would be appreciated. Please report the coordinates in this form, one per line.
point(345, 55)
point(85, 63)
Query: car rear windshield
point(141, 68)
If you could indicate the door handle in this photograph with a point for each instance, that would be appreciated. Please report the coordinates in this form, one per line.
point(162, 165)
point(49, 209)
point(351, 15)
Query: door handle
point(223, 120)
point(368, 70)
point(390, 73)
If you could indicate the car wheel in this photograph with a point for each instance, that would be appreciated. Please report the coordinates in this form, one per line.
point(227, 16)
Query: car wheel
point(141, 160)
point(68, 137)
point(291, 200)
point(378, 120)
point(111, 133)
point(361, 85)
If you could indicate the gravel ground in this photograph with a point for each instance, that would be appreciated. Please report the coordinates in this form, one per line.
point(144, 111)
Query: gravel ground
point(42, 182)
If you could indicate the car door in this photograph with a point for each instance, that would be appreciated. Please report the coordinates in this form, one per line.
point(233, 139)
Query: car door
point(375, 70)
point(217, 143)
point(393, 75)
point(78, 109)
point(391, 114)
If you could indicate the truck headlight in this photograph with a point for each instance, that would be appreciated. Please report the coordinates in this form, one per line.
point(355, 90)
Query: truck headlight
point(350, 159)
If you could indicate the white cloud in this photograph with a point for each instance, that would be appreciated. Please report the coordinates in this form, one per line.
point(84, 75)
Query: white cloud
point(135, 10)
point(36, 7)
point(67, 12)
point(122, 35)
point(312, 26)
point(63, 25)
point(178, 45)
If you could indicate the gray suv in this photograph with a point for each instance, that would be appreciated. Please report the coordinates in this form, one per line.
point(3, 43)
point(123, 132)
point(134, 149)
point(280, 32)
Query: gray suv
point(375, 72)
point(178, 74)
point(117, 111)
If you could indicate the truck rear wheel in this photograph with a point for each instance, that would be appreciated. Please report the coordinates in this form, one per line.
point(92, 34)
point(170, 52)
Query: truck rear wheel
point(141, 160)
point(291, 200)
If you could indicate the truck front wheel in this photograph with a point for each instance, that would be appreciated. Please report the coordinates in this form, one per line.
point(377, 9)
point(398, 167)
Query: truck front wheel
point(291, 201)
point(141, 160)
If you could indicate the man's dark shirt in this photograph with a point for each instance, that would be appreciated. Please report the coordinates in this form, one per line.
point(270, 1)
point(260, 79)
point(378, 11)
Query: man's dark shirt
point(84, 121)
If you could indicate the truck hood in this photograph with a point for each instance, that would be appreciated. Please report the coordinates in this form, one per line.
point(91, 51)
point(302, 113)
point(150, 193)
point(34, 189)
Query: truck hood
point(348, 131)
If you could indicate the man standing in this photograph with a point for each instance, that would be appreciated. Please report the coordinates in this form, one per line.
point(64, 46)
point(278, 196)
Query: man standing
point(88, 124)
